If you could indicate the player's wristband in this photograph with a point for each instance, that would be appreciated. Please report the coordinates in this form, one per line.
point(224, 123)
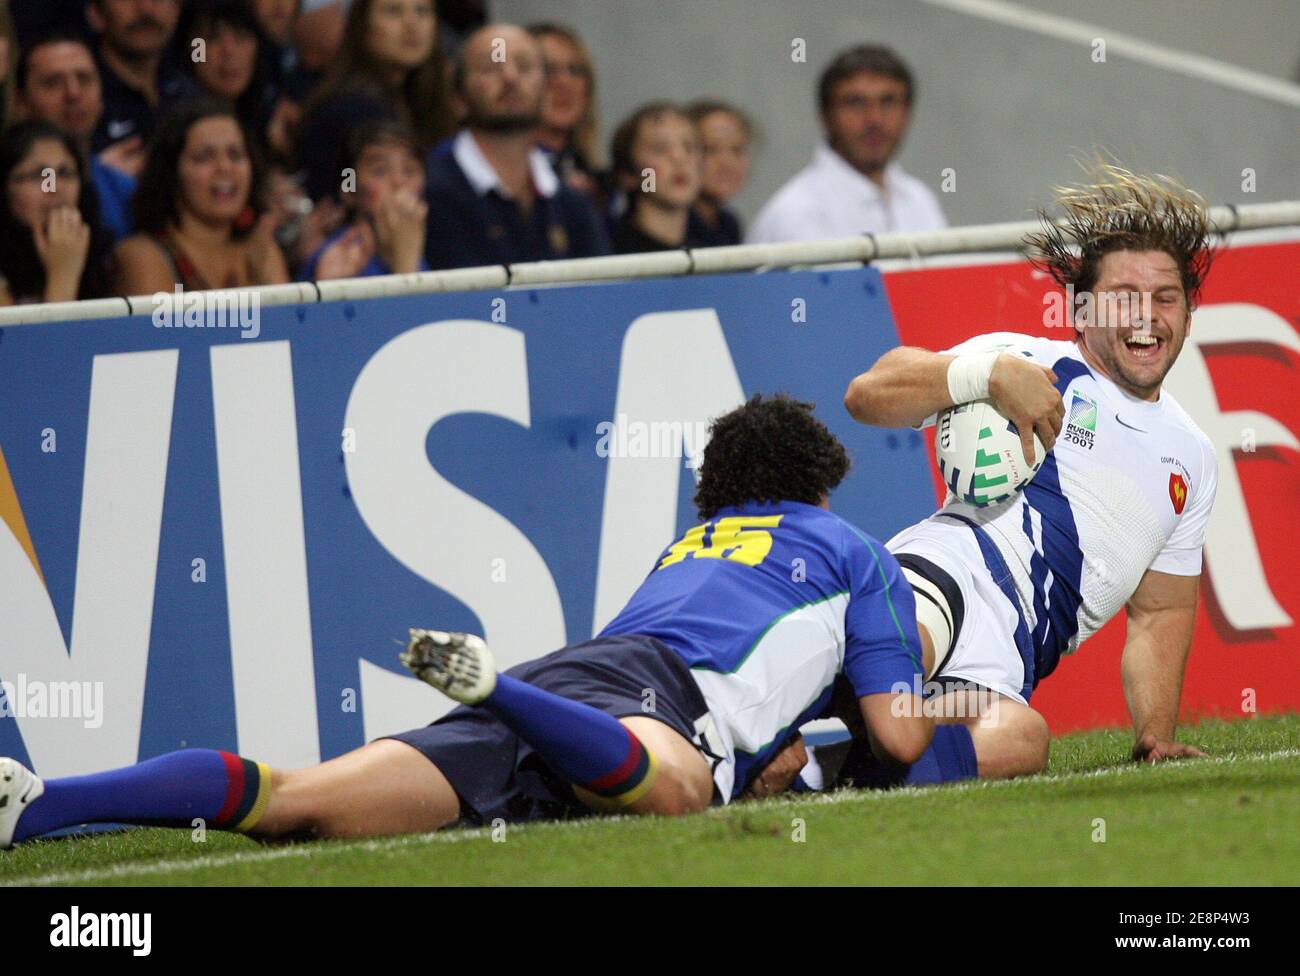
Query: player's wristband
point(968, 376)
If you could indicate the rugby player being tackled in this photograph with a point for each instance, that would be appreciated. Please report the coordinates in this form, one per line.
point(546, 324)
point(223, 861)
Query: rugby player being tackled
point(1116, 516)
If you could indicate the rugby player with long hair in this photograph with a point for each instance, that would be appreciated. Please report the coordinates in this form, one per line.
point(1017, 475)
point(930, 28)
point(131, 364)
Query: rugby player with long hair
point(1115, 518)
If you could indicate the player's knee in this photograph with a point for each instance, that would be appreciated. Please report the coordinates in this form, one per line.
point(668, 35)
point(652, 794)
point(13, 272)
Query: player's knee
point(1015, 743)
point(676, 792)
point(1034, 742)
point(682, 782)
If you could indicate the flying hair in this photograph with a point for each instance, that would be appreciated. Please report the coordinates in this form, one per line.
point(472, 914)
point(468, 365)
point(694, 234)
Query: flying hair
point(1116, 209)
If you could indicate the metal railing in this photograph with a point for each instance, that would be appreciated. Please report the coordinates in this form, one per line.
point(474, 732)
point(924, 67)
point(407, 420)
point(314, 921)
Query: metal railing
point(621, 267)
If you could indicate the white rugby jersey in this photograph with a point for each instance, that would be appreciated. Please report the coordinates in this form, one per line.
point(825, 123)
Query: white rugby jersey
point(1128, 487)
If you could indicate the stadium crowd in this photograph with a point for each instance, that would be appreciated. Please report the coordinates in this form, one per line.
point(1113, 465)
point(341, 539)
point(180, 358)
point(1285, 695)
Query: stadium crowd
point(146, 144)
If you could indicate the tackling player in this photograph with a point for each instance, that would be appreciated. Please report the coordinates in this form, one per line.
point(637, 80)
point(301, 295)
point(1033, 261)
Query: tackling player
point(1116, 516)
point(731, 643)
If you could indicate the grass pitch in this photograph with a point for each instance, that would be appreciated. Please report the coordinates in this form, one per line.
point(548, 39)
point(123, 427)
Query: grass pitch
point(1227, 820)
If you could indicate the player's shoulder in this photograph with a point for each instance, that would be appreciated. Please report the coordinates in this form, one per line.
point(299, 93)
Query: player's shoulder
point(866, 557)
point(1177, 417)
point(1036, 347)
point(815, 520)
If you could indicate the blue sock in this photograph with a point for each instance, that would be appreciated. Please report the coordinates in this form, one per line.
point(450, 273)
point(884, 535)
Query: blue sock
point(226, 791)
point(586, 746)
point(951, 757)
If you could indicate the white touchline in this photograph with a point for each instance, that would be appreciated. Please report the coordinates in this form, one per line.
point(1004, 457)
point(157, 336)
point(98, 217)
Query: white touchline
point(459, 836)
point(1166, 58)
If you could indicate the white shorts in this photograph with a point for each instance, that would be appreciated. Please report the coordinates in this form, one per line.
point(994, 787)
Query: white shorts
point(986, 651)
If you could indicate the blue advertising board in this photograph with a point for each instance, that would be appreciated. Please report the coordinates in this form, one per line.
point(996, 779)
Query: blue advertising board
point(219, 536)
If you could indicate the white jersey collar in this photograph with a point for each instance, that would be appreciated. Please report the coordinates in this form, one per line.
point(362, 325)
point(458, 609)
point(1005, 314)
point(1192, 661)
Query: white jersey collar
point(482, 177)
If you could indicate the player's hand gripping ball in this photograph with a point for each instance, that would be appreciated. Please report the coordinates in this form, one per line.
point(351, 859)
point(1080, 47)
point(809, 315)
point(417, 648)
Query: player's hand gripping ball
point(980, 456)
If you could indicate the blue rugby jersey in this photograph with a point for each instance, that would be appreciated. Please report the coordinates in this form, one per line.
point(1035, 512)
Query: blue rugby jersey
point(767, 603)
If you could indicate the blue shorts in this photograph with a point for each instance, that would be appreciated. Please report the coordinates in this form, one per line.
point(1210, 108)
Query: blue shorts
point(498, 775)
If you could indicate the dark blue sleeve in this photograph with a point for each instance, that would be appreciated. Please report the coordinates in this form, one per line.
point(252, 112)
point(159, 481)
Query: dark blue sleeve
point(881, 646)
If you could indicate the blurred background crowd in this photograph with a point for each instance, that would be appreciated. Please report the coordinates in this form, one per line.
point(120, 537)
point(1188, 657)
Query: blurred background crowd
point(229, 143)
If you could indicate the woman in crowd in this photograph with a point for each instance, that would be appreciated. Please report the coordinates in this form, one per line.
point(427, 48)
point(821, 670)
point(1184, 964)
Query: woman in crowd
point(236, 70)
point(656, 157)
point(726, 138)
point(197, 209)
point(388, 66)
point(384, 233)
point(53, 249)
point(569, 133)
point(230, 63)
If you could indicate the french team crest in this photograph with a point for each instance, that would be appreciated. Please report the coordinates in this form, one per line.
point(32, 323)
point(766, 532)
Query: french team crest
point(1177, 492)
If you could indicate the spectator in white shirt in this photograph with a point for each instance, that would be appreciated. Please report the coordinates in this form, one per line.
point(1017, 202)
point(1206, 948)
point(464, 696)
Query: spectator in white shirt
point(852, 186)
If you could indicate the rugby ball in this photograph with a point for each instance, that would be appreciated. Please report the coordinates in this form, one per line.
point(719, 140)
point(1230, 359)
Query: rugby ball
point(979, 454)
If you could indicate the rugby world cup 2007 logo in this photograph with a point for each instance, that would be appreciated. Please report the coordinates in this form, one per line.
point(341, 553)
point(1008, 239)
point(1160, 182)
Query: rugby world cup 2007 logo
point(1081, 428)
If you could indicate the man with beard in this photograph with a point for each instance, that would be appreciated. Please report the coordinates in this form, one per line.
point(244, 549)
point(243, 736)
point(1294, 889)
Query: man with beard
point(137, 81)
point(1115, 518)
point(493, 198)
point(853, 186)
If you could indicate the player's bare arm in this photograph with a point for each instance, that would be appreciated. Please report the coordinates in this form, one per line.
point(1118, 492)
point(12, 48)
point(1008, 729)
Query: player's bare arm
point(779, 775)
point(909, 384)
point(1161, 618)
point(893, 724)
point(896, 726)
point(905, 386)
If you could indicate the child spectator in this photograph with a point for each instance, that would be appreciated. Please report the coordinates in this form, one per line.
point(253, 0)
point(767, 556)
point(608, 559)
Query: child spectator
point(656, 157)
point(388, 66)
point(384, 233)
point(726, 137)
